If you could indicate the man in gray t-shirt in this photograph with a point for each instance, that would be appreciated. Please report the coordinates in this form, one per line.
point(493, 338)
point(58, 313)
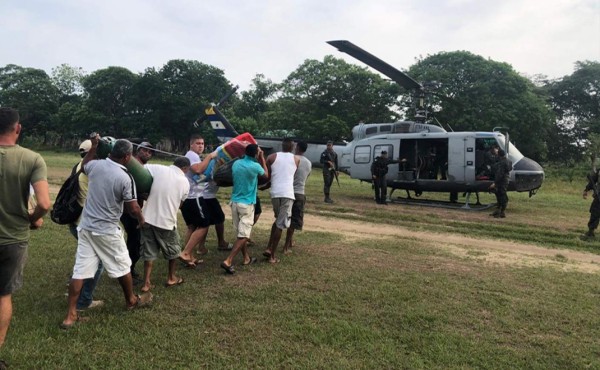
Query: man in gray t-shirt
point(302, 173)
point(99, 236)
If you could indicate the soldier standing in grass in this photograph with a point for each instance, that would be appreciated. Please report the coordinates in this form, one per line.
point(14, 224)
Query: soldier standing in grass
point(329, 160)
point(20, 169)
point(500, 185)
point(594, 208)
point(379, 170)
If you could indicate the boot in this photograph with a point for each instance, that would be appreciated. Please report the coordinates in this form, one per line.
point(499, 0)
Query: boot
point(589, 235)
point(501, 213)
point(327, 199)
point(495, 213)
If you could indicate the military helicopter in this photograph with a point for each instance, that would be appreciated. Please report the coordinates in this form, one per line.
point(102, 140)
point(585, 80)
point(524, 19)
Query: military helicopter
point(431, 158)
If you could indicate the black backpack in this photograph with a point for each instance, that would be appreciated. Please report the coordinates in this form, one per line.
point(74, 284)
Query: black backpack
point(66, 209)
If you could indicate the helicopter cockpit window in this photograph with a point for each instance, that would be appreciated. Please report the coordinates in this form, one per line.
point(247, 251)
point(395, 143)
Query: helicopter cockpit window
point(371, 130)
point(362, 154)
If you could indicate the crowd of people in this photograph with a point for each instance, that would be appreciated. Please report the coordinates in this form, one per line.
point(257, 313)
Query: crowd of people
point(112, 208)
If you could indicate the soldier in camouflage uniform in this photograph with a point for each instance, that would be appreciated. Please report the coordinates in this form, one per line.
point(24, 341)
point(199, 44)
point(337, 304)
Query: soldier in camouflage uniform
point(594, 208)
point(500, 186)
point(329, 160)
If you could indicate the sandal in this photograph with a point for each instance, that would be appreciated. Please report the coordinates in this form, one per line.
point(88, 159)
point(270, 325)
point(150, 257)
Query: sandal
point(143, 300)
point(178, 282)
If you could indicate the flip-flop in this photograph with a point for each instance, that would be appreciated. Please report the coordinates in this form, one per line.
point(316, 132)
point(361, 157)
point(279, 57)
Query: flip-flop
point(276, 260)
point(178, 282)
point(267, 254)
point(228, 269)
point(143, 300)
point(252, 260)
point(79, 320)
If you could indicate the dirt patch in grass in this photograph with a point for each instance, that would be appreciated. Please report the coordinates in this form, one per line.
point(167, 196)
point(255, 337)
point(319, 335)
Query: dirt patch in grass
point(498, 251)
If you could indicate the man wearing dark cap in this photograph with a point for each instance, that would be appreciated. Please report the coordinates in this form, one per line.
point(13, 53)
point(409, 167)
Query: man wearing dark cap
point(329, 160)
point(500, 186)
point(379, 170)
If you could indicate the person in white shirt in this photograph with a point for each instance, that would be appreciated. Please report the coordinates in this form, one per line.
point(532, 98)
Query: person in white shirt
point(282, 166)
point(169, 190)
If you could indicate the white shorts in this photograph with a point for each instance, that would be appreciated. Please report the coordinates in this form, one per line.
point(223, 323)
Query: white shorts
point(243, 219)
point(93, 248)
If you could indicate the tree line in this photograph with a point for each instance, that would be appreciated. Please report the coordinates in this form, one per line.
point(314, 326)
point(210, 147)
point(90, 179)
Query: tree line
point(549, 120)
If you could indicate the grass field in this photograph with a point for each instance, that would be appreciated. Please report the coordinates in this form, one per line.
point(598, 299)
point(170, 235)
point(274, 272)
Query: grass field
point(364, 302)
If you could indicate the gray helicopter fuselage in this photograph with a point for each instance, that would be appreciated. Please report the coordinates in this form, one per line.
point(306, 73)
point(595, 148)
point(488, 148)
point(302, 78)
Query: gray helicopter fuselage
point(431, 159)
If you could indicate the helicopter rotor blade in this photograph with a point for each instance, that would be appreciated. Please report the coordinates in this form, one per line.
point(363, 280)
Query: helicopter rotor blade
point(372, 61)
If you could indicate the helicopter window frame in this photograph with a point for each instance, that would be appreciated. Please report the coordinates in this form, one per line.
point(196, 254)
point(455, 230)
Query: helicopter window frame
point(362, 156)
point(389, 148)
point(371, 130)
point(385, 128)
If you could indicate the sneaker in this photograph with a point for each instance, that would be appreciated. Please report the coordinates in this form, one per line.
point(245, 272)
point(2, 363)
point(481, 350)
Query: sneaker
point(94, 304)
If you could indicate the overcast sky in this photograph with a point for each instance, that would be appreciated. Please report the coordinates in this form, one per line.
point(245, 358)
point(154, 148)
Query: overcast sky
point(274, 37)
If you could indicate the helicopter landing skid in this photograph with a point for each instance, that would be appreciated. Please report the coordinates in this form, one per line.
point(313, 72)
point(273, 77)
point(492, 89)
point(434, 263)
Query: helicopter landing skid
point(442, 204)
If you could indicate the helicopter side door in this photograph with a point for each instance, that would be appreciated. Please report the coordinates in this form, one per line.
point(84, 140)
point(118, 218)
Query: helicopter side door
point(364, 153)
point(456, 158)
point(470, 162)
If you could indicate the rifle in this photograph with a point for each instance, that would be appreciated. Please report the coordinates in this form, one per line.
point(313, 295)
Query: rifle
point(335, 174)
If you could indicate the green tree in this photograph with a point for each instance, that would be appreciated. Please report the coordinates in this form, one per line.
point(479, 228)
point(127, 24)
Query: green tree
point(68, 80)
point(107, 93)
point(576, 102)
point(30, 91)
point(188, 86)
point(333, 91)
point(474, 93)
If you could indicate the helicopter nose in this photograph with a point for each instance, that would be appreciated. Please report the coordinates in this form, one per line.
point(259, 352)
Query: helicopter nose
point(529, 175)
point(526, 164)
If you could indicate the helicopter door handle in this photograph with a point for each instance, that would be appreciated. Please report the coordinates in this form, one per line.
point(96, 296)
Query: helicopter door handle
point(469, 163)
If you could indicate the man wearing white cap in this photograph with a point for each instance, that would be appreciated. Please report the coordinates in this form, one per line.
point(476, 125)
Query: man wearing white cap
point(86, 297)
point(143, 154)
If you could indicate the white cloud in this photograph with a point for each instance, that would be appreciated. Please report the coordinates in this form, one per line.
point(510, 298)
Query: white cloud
point(275, 37)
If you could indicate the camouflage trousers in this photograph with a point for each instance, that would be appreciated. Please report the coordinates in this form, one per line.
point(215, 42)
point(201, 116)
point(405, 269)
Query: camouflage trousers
point(594, 214)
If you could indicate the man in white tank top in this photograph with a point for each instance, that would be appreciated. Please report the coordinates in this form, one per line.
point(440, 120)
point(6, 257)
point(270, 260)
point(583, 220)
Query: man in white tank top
point(282, 166)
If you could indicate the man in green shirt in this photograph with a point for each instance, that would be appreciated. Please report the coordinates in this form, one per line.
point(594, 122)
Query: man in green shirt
point(20, 169)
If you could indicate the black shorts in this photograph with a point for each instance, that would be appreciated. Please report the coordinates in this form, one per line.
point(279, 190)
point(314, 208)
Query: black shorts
point(257, 207)
point(195, 212)
point(12, 262)
point(214, 210)
point(298, 211)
